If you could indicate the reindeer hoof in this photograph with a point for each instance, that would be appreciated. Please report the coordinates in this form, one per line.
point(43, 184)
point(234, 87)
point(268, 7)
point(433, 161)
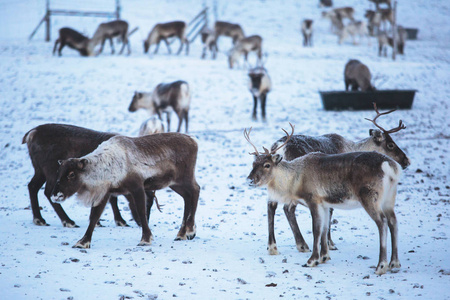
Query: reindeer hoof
point(324, 258)
point(122, 223)
point(303, 248)
point(82, 245)
point(394, 264)
point(145, 243)
point(382, 268)
point(273, 249)
point(40, 222)
point(190, 236)
point(70, 224)
point(312, 263)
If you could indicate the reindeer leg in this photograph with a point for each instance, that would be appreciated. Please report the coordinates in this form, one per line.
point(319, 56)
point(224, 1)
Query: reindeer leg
point(150, 199)
point(168, 121)
point(324, 254)
point(190, 193)
point(272, 244)
point(186, 119)
point(133, 210)
point(138, 194)
point(157, 47)
point(255, 103)
point(180, 120)
point(168, 46)
point(289, 211)
point(112, 45)
point(34, 186)
point(331, 244)
point(61, 46)
point(117, 216)
point(56, 45)
point(96, 212)
point(263, 98)
point(318, 216)
point(102, 45)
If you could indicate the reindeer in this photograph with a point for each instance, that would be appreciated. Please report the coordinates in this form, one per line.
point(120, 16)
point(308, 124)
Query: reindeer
point(228, 29)
point(117, 28)
point(307, 31)
point(130, 166)
point(378, 2)
point(384, 40)
point(165, 98)
point(75, 40)
point(151, 126)
point(344, 12)
point(259, 85)
point(336, 24)
point(353, 29)
point(243, 47)
point(326, 3)
point(300, 145)
point(163, 31)
point(376, 18)
point(323, 181)
point(357, 76)
point(49, 143)
point(209, 42)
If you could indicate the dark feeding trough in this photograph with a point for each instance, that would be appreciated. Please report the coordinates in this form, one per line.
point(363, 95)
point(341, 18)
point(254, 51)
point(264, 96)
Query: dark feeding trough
point(356, 100)
point(411, 33)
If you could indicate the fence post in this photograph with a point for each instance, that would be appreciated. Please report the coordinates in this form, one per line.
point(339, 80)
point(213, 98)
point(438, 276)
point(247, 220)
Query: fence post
point(47, 21)
point(394, 33)
point(117, 9)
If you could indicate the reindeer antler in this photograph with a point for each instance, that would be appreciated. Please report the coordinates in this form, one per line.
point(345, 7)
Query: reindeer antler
point(266, 151)
point(400, 124)
point(247, 137)
point(286, 141)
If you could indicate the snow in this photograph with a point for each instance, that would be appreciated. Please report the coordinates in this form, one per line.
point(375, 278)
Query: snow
point(228, 258)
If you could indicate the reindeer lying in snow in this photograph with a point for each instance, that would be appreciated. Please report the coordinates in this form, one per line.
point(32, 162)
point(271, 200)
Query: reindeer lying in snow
point(323, 181)
point(130, 166)
point(299, 145)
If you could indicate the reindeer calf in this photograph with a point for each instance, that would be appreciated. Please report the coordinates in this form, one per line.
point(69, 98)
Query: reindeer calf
point(165, 97)
point(151, 126)
point(130, 166)
point(252, 43)
point(357, 76)
point(322, 181)
point(75, 40)
point(307, 31)
point(163, 31)
point(259, 85)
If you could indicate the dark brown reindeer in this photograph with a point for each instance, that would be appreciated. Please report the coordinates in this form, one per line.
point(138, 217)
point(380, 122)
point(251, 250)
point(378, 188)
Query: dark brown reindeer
point(234, 31)
point(323, 181)
point(49, 143)
point(163, 31)
point(165, 97)
point(130, 166)
point(243, 47)
point(357, 76)
point(259, 85)
point(75, 40)
point(109, 30)
point(300, 145)
point(307, 31)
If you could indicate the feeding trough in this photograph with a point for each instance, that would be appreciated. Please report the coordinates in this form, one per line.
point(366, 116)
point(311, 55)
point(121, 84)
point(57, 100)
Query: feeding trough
point(356, 100)
point(411, 33)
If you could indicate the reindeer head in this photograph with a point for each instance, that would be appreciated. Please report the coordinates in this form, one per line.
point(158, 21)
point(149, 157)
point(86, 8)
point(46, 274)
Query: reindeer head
point(68, 178)
point(383, 142)
point(134, 105)
point(146, 46)
point(264, 163)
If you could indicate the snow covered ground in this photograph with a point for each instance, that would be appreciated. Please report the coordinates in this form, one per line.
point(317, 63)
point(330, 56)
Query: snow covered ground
point(228, 258)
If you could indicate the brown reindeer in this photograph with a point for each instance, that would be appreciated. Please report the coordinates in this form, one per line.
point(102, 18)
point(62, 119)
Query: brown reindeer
point(234, 31)
point(300, 145)
point(377, 18)
point(75, 40)
point(165, 97)
point(259, 85)
point(130, 166)
point(163, 31)
point(357, 76)
point(246, 45)
point(323, 181)
point(117, 28)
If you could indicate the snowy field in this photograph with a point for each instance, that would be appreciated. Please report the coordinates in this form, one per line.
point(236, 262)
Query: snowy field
point(228, 258)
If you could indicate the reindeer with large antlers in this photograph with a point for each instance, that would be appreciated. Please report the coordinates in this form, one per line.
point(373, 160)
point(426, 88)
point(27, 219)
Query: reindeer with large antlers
point(323, 181)
point(299, 145)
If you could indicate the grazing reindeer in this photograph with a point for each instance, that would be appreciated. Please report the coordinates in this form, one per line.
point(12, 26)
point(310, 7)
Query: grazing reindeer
point(130, 166)
point(307, 31)
point(252, 43)
point(300, 145)
point(259, 85)
point(325, 3)
point(354, 28)
point(357, 76)
point(75, 40)
point(234, 31)
point(162, 31)
point(323, 181)
point(109, 30)
point(384, 40)
point(49, 143)
point(209, 42)
point(151, 126)
point(165, 98)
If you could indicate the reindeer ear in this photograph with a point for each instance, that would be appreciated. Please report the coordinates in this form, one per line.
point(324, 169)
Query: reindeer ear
point(82, 163)
point(377, 135)
point(277, 158)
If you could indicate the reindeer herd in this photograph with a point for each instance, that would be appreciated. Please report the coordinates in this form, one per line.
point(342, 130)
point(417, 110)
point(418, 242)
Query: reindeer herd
point(319, 172)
